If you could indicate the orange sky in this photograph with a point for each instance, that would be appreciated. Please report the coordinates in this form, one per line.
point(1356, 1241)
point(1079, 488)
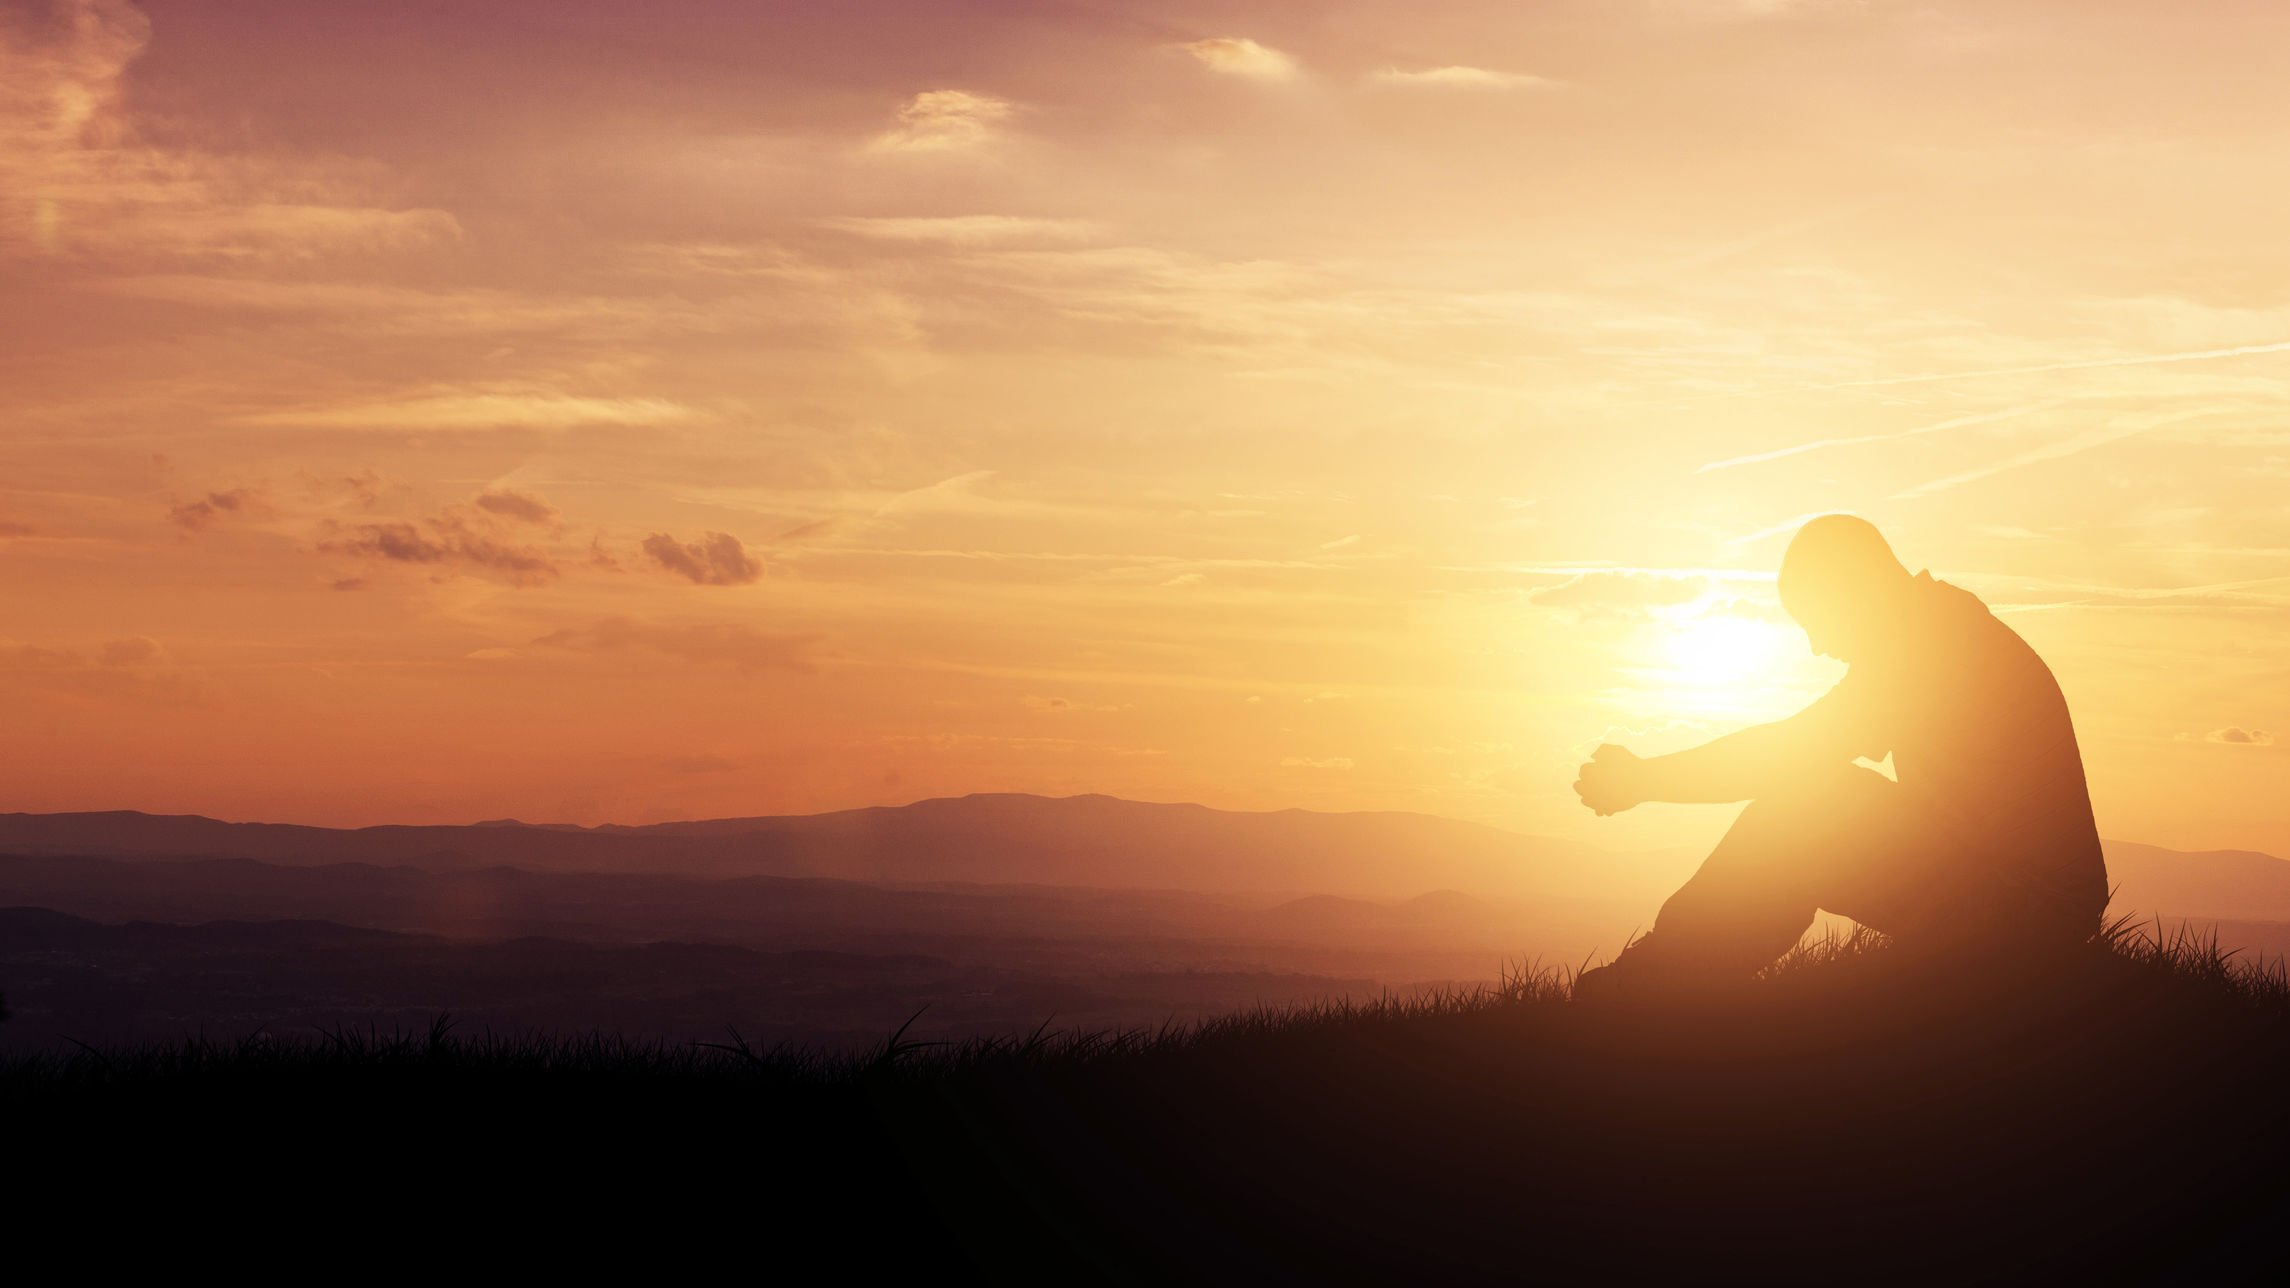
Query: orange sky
point(581, 411)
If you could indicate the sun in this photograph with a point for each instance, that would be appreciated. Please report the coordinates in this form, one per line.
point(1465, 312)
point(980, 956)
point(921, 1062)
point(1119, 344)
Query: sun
point(1712, 662)
point(1719, 650)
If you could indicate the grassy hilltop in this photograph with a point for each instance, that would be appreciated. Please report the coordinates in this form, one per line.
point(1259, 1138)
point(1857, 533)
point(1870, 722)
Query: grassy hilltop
point(1855, 1114)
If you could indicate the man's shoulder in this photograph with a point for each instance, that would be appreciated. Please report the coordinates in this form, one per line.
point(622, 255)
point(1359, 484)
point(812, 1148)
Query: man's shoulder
point(1951, 599)
point(1962, 624)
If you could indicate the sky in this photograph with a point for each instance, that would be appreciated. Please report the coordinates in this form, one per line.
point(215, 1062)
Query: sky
point(428, 412)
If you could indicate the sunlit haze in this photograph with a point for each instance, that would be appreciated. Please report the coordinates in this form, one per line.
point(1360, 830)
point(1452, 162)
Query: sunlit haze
point(587, 412)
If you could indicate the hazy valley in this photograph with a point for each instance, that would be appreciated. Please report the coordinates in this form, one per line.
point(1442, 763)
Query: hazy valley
point(990, 914)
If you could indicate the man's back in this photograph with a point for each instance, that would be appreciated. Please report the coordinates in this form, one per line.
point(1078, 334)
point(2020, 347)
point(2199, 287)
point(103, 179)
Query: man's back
point(1981, 739)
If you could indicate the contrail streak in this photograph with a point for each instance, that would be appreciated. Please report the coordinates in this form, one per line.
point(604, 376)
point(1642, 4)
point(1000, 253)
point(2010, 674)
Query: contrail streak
point(1786, 525)
point(2052, 452)
point(1960, 422)
point(2143, 360)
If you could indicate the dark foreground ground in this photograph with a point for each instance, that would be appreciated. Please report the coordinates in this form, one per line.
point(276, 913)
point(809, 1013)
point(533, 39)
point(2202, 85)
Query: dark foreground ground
point(1858, 1115)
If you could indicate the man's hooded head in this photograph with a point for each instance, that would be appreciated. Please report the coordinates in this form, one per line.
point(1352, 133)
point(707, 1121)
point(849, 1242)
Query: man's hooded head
point(1843, 584)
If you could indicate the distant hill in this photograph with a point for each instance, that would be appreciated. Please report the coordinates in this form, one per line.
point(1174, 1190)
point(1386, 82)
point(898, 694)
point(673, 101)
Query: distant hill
point(2205, 884)
point(1071, 842)
point(1077, 841)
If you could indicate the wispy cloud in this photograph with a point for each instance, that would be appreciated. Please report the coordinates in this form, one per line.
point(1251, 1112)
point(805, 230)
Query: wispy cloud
point(1819, 444)
point(2085, 364)
point(205, 512)
point(523, 507)
point(1240, 56)
point(77, 182)
point(135, 669)
point(966, 230)
point(450, 543)
point(1621, 592)
point(472, 411)
point(2122, 428)
point(716, 559)
point(736, 645)
point(1790, 524)
point(945, 120)
point(1460, 77)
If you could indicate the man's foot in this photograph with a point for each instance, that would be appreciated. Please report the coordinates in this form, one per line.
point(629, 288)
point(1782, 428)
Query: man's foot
point(1627, 981)
point(1599, 984)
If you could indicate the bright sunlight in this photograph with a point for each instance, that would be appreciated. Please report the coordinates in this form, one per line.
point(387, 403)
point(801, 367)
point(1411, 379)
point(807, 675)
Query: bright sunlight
point(1709, 661)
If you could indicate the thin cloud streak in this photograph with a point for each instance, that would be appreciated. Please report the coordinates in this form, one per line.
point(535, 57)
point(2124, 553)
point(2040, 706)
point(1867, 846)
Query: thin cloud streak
point(2093, 364)
point(1240, 56)
point(1461, 77)
point(1960, 422)
point(1786, 525)
point(2055, 451)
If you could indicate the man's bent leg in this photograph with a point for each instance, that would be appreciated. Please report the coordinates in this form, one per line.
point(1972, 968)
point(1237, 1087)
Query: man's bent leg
point(1756, 893)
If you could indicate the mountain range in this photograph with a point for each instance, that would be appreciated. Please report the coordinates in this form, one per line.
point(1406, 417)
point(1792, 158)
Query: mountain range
point(1096, 842)
point(1089, 841)
point(993, 911)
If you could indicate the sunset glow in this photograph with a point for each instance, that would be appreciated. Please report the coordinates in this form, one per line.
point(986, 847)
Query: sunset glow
point(1724, 665)
point(619, 413)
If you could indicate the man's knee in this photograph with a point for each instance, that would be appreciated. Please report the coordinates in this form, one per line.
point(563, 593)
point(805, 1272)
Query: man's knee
point(1819, 819)
point(1843, 792)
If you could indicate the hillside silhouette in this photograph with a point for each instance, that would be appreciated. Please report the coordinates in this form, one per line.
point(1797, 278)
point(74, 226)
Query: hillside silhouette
point(1854, 1111)
point(1002, 839)
point(998, 1080)
point(1078, 841)
point(476, 915)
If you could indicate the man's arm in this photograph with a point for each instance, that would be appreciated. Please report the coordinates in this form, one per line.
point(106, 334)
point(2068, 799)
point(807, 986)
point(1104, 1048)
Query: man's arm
point(1738, 766)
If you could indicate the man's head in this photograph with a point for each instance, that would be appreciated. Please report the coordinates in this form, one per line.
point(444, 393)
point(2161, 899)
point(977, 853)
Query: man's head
point(1843, 584)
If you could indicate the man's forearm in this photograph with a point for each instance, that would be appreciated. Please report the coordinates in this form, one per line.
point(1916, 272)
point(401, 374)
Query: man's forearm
point(1736, 767)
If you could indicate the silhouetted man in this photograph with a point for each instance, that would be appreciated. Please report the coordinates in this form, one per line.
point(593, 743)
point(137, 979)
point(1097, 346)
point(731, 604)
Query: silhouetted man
point(1987, 835)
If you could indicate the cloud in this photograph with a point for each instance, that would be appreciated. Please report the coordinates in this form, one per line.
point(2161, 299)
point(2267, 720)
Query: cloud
point(1819, 444)
point(481, 411)
point(135, 650)
point(718, 559)
point(402, 542)
point(966, 230)
point(1240, 56)
point(76, 181)
point(134, 668)
point(1459, 77)
point(2114, 431)
point(806, 531)
point(945, 120)
point(1742, 10)
point(199, 515)
point(1062, 705)
point(1790, 524)
point(450, 542)
point(1318, 762)
point(1622, 591)
point(363, 489)
point(2235, 735)
point(523, 507)
point(9, 528)
point(713, 643)
point(2082, 364)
